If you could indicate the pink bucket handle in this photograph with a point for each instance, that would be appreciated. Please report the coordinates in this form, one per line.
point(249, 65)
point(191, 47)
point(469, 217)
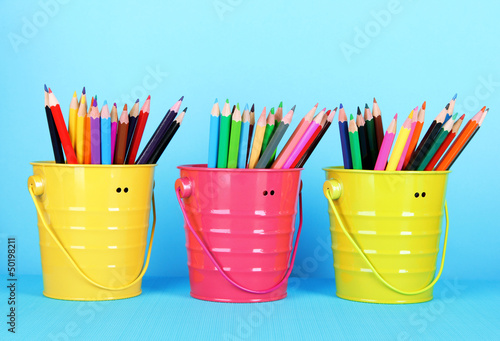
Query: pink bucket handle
point(183, 189)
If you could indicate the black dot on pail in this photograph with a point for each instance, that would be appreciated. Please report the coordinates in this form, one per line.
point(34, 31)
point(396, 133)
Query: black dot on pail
point(125, 189)
point(272, 192)
point(423, 194)
point(265, 193)
point(416, 195)
point(118, 190)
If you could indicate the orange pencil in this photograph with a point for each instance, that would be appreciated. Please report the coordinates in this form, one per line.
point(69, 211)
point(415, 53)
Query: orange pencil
point(416, 135)
point(462, 139)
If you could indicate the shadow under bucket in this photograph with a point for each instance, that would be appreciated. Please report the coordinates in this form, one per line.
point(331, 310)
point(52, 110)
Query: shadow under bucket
point(386, 228)
point(93, 223)
point(239, 227)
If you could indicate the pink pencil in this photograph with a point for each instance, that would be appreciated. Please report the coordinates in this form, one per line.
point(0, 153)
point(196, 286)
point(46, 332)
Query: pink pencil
point(385, 149)
point(311, 129)
point(95, 134)
point(114, 126)
point(407, 144)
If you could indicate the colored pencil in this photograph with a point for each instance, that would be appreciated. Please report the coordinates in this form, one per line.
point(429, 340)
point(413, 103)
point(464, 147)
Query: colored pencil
point(160, 131)
point(80, 127)
point(234, 139)
point(278, 116)
point(224, 135)
point(114, 130)
point(95, 134)
point(167, 137)
point(413, 116)
point(379, 128)
point(55, 108)
point(243, 148)
point(294, 139)
point(213, 142)
point(105, 135)
point(139, 131)
point(480, 123)
point(363, 144)
point(310, 150)
point(445, 144)
point(397, 151)
point(431, 133)
point(270, 126)
point(250, 131)
point(415, 136)
point(133, 115)
point(441, 136)
point(309, 139)
point(313, 129)
point(275, 140)
point(87, 145)
point(451, 107)
point(354, 144)
point(54, 136)
point(457, 146)
point(371, 136)
point(73, 111)
point(257, 139)
point(383, 154)
point(344, 138)
point(121, 138)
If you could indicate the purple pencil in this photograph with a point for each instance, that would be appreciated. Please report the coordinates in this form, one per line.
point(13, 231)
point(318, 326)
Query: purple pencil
point(155, 140)
point(114, 127)
point(95, 134)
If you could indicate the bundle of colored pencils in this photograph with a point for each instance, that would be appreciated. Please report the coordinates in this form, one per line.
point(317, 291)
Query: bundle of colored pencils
point(104, 138)
point(364, 145)
point(237, 141)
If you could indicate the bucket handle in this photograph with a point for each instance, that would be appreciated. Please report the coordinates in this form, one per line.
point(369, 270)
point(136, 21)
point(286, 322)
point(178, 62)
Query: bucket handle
point(36, 188)
point(332, 190)
point(183, 187)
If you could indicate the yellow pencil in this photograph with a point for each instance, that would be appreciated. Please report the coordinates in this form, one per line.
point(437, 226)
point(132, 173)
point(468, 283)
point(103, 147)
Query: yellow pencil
point(399, 145)
point(80, 128)
point(73, 110)
point(257, 139)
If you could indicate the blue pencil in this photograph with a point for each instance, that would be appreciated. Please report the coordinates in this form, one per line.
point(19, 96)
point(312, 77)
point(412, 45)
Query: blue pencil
point(105, 135)
point(344, 138)
point(245, 130)
point(213, 143)
point(450, 107)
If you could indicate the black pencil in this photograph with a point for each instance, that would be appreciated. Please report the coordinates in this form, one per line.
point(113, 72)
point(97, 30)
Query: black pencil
point(363, 141)
point(169, 134)
point(54, 136)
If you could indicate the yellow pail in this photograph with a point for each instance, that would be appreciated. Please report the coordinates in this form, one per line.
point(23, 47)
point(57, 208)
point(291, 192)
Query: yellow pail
point(93, 223)
point(386, 228)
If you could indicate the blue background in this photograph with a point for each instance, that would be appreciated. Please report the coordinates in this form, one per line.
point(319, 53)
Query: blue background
point(262, 52)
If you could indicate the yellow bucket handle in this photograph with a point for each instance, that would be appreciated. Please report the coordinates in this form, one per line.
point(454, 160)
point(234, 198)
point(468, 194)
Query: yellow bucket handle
point(332, 190)
point(35, 186)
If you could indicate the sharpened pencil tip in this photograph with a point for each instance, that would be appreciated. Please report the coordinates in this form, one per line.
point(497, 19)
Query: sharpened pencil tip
point(281, 104)
point(359, 111)
point(125, 107)
point(272, 111)
point(316, 105)
point(149, 97)
point(335, 109)
point(454, 117)
point(105, 103)
point(253, 108)
point(137, 101)
point(45, 87)
point(246, 107)
point(341, 106)
point(324, 109)
point(447, 106)
point(83, 91)
point(95, 97)
point(454, 97)
point(50, 91)
point(74, 94)
point(293, 108)
point(374, 100)
point(227, 100)
point(238, 106)
point(423, 105)
point(216, 101)
point(182, 98)
point(185, 109)
point(351, 117)
point(396, 116)
point(114, 104)
point(366, 106)
point(481, 109)
point(462, 117)
point(95, 102)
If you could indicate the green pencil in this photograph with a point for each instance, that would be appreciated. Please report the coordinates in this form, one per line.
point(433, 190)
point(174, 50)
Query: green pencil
point(443, 132)
point(234, 141)
point(354, 143)
point(270, 127)
point(225, 128)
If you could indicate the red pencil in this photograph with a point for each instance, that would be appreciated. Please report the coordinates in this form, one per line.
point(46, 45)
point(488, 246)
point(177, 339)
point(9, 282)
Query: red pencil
point(138, 131)
point(61, 129)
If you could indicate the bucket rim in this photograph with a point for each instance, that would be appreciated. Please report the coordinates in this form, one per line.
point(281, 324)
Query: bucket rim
point(79, 165)
point(203, 168)
point(366, 171)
